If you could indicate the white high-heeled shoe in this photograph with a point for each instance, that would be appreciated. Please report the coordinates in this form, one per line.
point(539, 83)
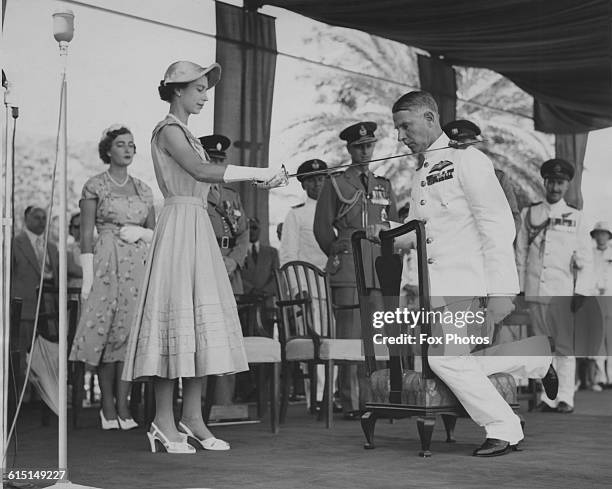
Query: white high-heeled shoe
point(127, 424)
point(155, 435)
point(108, 424)
point(211, 443)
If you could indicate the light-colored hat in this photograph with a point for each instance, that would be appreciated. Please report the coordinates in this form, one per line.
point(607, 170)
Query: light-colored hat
point(111, 128)
point(186, 71)
point(602, 226)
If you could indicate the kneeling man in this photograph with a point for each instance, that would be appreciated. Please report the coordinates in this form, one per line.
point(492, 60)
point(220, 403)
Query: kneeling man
point(469, 235)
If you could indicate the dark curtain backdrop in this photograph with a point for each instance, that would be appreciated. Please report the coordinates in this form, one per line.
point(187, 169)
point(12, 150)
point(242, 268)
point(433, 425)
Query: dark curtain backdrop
point(572, 147)
point(438, 78)
point(246, 50)
point(559, 51)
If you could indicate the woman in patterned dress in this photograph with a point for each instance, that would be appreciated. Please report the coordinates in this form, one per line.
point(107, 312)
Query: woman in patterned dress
point(187, 322)
point(121, 208)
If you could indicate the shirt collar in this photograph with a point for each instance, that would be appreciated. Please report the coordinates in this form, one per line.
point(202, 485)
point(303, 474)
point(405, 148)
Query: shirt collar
point(31, 236)
point(256, 243)
point(441, 142)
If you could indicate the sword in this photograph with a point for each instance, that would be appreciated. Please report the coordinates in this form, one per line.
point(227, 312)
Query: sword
point(454, 145)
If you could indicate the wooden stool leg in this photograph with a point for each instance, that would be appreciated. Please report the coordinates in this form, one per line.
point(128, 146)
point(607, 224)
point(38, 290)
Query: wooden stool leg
point(425, 425)
point(449, 425)
point(368, 423)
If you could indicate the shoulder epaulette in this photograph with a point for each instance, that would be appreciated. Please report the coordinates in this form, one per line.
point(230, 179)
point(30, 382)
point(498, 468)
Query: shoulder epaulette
point(297, 206)
point(573, 206)
point(535, 203)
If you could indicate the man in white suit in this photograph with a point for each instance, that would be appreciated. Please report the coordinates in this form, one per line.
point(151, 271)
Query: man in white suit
point(469, 235)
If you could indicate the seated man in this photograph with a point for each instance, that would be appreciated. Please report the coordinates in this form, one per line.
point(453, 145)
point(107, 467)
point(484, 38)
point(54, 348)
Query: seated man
point(469, 231)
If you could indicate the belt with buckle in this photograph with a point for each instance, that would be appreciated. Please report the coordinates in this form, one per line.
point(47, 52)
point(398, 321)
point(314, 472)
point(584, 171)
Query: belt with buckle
point(226, 242)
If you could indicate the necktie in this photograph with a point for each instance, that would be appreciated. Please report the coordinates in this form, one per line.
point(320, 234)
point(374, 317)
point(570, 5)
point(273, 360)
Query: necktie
point(364, 181)
point(39, 249)
point(254, 253)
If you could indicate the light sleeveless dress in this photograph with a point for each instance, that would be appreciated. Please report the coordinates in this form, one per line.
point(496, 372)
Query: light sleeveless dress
point(186, 323)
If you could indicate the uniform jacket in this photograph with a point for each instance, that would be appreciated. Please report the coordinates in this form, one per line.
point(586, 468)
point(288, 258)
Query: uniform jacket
point(259, 277)
point(468, 223)
point(508, 189)
point(298, 241)
point(344, 207)
point(229, 222)
point(25, 275)
point(552, 239)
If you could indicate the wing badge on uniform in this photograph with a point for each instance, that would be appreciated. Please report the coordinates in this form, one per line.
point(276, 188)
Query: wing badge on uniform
point(441, 171)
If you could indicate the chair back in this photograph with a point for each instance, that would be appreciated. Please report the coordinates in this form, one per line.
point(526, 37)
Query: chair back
point(304, 301)
point(389, 270)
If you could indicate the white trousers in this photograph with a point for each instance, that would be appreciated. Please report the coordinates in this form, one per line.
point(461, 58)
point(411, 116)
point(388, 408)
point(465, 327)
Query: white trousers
point(541, 317)
point(466, 376)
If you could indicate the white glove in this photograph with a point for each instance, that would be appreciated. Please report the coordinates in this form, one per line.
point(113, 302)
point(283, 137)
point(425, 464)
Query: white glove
point(280, 179)
point(131, 234)
point(88, 275)
point(235, 173)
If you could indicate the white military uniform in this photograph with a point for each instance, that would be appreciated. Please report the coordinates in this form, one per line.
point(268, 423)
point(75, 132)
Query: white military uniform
point(298, 243)
point(552, 243)
point(469, 232)
point(602, 267)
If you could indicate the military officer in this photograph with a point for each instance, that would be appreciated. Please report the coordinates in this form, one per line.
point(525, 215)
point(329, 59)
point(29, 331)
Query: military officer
point(551, 247)
point(227, 215)
point(469, 234)
point(230, 224)
point(298, 241)
point(349, 201)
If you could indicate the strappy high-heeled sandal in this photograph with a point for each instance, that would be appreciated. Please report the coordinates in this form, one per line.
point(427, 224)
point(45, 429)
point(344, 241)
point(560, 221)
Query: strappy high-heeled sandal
point(211, 443)
point(159, 442)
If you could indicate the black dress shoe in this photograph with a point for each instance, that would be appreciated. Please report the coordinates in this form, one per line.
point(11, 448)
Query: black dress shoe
point(492, 447)
point(564, 408)
point(550, 382)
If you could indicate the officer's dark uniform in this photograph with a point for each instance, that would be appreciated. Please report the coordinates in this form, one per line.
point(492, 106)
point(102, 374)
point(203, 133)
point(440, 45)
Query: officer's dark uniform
point(349, 202)
point(227, 215)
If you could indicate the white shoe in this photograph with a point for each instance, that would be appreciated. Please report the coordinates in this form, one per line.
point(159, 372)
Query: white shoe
point(211, 443)
point(127, 424)
point(155, 435)
point(108, 424)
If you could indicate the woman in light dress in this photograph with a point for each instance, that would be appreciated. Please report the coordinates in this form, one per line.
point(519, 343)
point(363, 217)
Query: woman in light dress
point(121, 208)
point(187, 323)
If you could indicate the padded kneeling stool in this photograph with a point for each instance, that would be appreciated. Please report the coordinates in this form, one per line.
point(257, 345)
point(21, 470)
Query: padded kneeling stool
point(425, 398)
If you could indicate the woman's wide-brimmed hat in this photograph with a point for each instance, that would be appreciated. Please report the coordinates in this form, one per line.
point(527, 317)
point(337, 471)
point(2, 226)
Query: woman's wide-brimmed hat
point(186, 71)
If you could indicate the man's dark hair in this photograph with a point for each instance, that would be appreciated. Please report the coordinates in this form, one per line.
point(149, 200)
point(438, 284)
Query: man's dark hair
point(415, 100)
